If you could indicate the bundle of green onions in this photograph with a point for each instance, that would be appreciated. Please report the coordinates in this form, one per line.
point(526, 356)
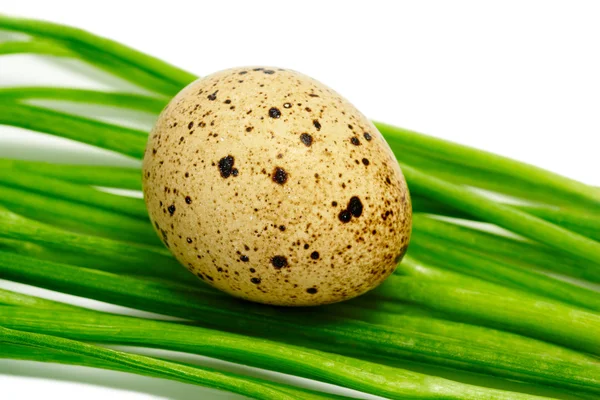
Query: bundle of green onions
point(473, 312)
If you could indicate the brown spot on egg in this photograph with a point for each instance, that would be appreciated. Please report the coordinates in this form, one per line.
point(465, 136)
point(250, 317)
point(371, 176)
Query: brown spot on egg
point(306, 139)
point(279, 175)
point(226, 166)
point(355, 206)
point(274, 112)
point(279, 262)
point(345, 216)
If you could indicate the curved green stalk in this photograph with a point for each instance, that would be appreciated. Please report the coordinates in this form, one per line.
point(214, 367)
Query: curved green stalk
point(482, 160)
point(125, 257)
point(51, 187)
point(504, 216)
point(127, 141)
point(189, 338)
point(334, 334)
point(78, 217)
point(37, 46)
point(93, 43)
point(503, 308)
point(45, 355)
point(353, 373)
point(586, 224)
point(72, 258)
point(97, 175)
point(151, 366)
point(96, 59)
point(421, 204)
point(430, 248)
point(528, 255)
point(149, 104)
point(125, 71)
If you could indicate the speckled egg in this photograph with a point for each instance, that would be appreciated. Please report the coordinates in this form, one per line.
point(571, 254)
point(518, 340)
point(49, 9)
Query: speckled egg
point(270, 186)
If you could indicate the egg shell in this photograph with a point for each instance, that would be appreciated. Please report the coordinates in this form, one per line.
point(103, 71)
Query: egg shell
point(270, 186)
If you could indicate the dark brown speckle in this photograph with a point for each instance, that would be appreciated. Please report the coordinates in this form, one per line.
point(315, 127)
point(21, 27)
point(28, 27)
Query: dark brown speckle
point(279, 176)
point(274, 112)
point(306, 139)
point(345, 216)
point(279, 261)
point(355, 206)
point(226, 166)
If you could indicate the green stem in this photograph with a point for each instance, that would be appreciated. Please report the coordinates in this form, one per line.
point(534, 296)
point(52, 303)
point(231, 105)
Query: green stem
point(115, 99)
point(326, 331)
point(127, 141)
point(430, 241)
point(353, 373)
point(51, 187)
point(429, 248)
point(504, 216)
point(68, 257)
point(125, 71)
point(151, 366)
point(94, 58)
point(77, 217)
point(503, 308)
point(187, 338)
point(584, 223)
point(97, 175)
point(37, 46)
point(482, 160)
point(124, 257)
point(421, 204)
point(86, 41)
point(529, 255)
point(37, 354)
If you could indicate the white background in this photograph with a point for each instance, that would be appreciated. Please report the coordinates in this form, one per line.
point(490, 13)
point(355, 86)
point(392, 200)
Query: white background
point(520, 78)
